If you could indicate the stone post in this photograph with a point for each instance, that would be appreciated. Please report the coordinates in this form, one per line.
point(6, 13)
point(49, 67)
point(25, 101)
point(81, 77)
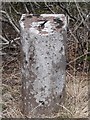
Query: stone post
point(43, 63)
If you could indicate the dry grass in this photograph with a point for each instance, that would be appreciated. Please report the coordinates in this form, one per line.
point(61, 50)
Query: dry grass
point(11, 84)
point(76, 99)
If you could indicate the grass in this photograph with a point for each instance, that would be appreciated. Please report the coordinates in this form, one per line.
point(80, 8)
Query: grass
point(76, 100)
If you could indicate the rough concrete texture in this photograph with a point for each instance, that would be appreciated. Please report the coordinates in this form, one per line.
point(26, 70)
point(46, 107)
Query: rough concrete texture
point(43, 63)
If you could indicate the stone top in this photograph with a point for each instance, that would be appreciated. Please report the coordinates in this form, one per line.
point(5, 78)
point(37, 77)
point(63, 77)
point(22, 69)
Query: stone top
point(44, 24)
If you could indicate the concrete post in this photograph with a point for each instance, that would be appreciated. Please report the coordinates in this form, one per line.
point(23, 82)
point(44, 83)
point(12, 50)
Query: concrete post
point(43, 63)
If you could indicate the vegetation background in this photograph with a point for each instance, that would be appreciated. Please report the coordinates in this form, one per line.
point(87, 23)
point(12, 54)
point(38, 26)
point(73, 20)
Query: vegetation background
point(76, 104)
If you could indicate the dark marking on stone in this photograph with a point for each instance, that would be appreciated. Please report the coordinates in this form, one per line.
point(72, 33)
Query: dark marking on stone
point(56, 71)
point(37, 68)
point(59, 22)
point(24, 55)
point(30, 58)
point(23, 19)
point(26, 61)
point(42, 102)
point(42, 89)
point(42, 24)
point(45, 57)
point(35, 38)
point(48, 53)
point(36, 15)
point(49, 45)
point(60, 96)
point(54, 47)
point(29, 16)
point(61, 50)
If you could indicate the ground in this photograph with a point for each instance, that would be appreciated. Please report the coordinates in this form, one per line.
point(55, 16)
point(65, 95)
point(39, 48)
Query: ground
point(75, 104)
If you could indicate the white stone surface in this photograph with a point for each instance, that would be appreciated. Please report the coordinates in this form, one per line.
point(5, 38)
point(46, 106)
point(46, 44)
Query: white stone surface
point(43, 64)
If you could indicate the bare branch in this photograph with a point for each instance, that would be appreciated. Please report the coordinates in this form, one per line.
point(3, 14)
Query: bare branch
point(26, 8)
point(49, 7)
point(12, 18)
point(79, 57)
point(2, 53)
point(37, 5)
point(4, 39)
point(18, 13)
point(15, 27)
point(32, 8)
point(4, 20)
point(63, 8)
point(16, 39)
point(83, 21)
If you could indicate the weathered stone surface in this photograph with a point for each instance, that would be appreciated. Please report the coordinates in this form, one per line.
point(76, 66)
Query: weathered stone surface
point(43, 63)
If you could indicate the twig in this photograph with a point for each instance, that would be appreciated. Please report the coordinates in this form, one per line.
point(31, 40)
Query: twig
point(65, 108)
point(15, 39)
point(8, 41)
point(26, 8)
point(4, 39)
point(71, 75)
point(49, 7)
point(11, 16)
point(61, 6)
point(73, 36)
point(2, 53)
point(32, 8)
point(37, 5)
point(78, 57)
point(18, 13)
point(83, 21)
point(5, 21)
point(10, 20)
point(36, 107)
